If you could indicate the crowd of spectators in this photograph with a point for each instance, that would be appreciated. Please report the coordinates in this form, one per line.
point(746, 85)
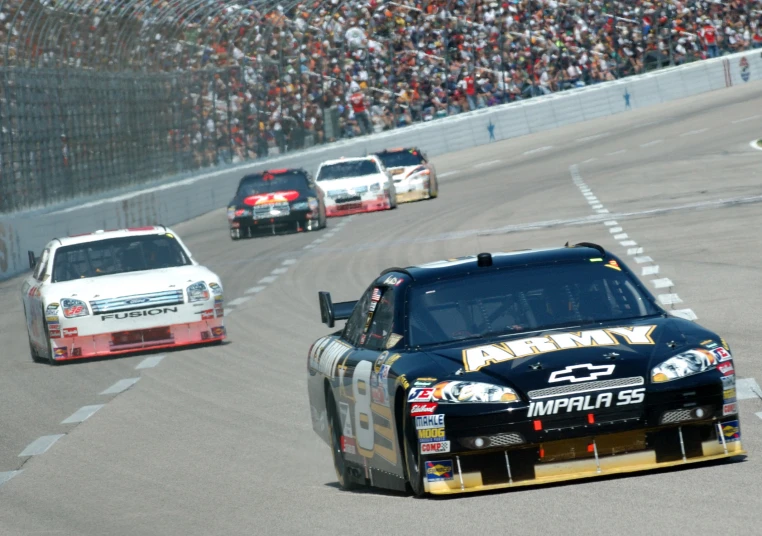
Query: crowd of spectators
point(269, 78)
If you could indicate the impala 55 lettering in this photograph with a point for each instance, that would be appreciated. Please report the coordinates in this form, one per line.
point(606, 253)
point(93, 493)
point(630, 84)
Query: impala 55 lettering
point(137, 314)
point(585, 403)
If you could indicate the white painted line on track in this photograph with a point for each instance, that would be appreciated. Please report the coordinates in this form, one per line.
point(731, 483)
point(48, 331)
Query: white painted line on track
point(610, 223)
point(650, 143)
point(150, 362)
point(120, 386)
point(615, 230)
point(6, 476)
point(539, 149)
point(266, 280)
point(627, 243)
point(669, 299)
point(82, 414)
point(309, 246)
point(664, 282)
point(621, 236)
point(593, 137)
point(641, 260)
point(238, 301)
point(40, 445)
point(254, 290)
point(289, 262)
point(279, 271)
point(687, 314)
point(758, 414)
point(598, 206)
point(693, 132)
point(488, 163)
point(319, 240)
point(649, 270)
point(620, 151)
point(602, 211)
point(747, 388)
point(589, 195)
point(744, 119)
point(448, 173)
point(589, 160)
point(635, 251)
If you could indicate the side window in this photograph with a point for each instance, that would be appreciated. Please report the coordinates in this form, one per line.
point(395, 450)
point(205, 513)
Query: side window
point(42, 265)
point(382, 321)
point(356, 322)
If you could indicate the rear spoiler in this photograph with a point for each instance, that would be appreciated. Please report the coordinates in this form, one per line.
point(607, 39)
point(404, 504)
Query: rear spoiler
point(32, 259)
point(330, 312)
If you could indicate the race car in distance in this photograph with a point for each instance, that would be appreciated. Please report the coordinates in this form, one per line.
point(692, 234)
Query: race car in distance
point(414, 176)
point(512, 369)
point(276, 200)
point(113, 292)
point(353, 185)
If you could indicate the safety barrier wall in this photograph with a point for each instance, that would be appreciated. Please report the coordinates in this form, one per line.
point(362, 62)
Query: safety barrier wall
point(173, 201)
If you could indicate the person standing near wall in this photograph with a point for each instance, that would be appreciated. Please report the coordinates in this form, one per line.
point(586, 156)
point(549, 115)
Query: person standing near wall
point(359, 108)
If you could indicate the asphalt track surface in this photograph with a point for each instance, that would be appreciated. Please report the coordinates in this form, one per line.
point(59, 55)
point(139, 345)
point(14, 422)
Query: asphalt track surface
point(218, 440)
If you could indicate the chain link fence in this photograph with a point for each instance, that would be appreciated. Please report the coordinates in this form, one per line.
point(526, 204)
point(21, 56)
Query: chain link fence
point(100, 95)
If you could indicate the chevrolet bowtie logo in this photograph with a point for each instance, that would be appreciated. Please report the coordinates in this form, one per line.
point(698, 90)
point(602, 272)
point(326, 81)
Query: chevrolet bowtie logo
point(581, 373)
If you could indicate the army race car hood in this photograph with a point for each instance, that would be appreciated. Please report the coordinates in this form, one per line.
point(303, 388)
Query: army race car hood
point(538, 360)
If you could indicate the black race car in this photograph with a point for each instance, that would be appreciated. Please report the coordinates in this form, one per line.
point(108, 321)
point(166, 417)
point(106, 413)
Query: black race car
point(511, 369)
point(276, 200)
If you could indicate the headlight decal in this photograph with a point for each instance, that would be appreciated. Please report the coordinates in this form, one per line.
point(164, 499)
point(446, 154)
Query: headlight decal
point(197, 292)
point(683, 365)
point(74, 308)
point(460, 392)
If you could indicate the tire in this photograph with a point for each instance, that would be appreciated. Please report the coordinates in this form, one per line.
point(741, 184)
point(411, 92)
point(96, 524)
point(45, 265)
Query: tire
point(35, 356)
point(235, 234)
point(339, 464)
point(433, 189)
point(412, 459)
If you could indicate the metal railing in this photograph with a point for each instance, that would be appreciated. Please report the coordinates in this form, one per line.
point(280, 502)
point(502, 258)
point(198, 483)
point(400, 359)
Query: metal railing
point(100, 95)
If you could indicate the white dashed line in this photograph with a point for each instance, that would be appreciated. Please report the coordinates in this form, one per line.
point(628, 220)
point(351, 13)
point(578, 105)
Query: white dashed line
point(120, 386)
point(448, 173)
point(610, 223)
point(289, 262)
point(649, 270)
point(650, 143)
point(758, 414)
point(641, 260)
point(615, 230)
point(693, 132)
point(627, 243)
point(669, 299)
point(255, 290)
point(635, 251)
point(597, 206)
point(602, 211)
point(266, 280)
point(662, 283)
point(40, 445)
point(620, 151)
point(621, 236)
point(539, 150)
point(238, 301)
point(743, 120)
point(150, 362)
point(687, 314)
point(309, 246)
point(593, 137)
point(7, 475)
point(489, 163)
point(279, 271)
point(589, 160)
point(747, 388)
point(82, 414)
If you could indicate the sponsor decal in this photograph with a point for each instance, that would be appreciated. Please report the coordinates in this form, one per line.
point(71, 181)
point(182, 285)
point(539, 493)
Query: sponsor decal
point(403, 382)
point(613, 265)
point(435, 447)
point(393, 281)
point(218, 331)
point(346, 421)
point(731, 430)
point(61, 352)
point(729, 395)
point(51, 309)
point(52, 319)
point(430, 421)
point(271, 198)
point(439, 470)
point(131, 314)
point(728, 381)
point(743, 64)
point(585, 403)
point(376, 295)
point(372, 307)
point(136, 301)
point(722, 354)
point(420, 394)
point(384, 374)
point(391, 360)
point(581, 373)
point(423, 382)
point(54, 333)
point(729, 409)
point(379, 395)
point(430, 435)
point(70, 332)
point(482, 356)
point(326, 354)
point(709, 344)
point(726, 368)
point(423, 408)
point(207, 315)
point(348, 445)
point(393, 340)
point(219, 312)
point(77, 309)
point(380, 361)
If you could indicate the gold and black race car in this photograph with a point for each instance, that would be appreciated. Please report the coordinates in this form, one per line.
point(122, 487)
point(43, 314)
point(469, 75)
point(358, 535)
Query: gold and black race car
point(512, 369)
point(415, 177)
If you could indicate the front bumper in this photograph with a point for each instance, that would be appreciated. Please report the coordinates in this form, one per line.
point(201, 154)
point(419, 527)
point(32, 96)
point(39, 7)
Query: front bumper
point(412, 189)
point(380, 202)
point(278, 223)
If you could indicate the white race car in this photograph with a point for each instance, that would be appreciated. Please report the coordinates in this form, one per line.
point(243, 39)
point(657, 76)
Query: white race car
point(113, 292)
point(414, 175)
point(353, 185)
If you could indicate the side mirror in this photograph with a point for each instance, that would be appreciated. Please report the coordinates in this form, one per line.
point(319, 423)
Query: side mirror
point(331, 312)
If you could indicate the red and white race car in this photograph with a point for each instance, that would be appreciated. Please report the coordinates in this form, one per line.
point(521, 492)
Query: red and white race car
point(353, 185)
point(113, 292)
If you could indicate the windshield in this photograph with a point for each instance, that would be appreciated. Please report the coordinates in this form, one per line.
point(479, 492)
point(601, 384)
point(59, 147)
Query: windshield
point(255, 184)
point(342, 170)
point(522, 300)
point(116, 256)
point(401, 158)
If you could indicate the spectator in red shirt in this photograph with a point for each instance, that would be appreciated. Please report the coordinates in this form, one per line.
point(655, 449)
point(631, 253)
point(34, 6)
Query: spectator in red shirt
point(709, 35)
point(357, 101)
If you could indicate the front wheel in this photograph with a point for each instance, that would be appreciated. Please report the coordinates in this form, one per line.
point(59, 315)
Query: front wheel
point(339, 464)
point(433, 188)
point(235, 234)
point(413, 459)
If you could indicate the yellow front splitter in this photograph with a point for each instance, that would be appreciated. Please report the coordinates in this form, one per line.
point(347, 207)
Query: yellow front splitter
point(548, 473)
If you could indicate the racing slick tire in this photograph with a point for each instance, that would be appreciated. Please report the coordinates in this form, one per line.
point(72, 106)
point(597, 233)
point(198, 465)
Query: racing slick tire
point(433, 189)
point(392, 200)
point(235, 234)
point(412, 459)
point(343, 472)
